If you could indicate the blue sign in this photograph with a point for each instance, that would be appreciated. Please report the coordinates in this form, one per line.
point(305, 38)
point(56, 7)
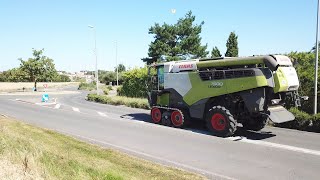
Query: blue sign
point(45, 98)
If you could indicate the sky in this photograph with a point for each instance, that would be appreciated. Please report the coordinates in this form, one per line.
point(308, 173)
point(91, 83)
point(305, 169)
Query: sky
point(61, 28)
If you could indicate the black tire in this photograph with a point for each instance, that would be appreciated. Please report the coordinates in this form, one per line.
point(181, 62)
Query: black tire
point(256, 123)
point(220, 122)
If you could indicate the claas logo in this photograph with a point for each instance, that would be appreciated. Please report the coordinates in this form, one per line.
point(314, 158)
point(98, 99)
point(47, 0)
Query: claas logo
point(185, 66)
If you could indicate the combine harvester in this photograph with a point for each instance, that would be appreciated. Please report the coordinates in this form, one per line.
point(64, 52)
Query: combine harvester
point(223, 92)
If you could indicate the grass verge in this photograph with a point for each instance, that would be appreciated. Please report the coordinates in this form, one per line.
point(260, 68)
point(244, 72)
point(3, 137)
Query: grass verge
point(36, 153)
point(120, 100)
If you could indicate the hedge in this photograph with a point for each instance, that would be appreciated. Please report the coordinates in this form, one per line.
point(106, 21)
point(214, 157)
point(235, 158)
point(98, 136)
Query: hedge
point(134, 83)
point(119, 100)
point(303, 121)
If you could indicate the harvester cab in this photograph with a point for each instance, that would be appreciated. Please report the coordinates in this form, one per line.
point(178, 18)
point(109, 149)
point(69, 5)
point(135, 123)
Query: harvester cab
point(223, 92)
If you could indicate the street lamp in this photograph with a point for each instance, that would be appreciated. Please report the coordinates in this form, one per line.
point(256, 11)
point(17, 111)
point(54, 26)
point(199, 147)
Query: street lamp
point(95, 52)
point(117, 67)
point(316, 64)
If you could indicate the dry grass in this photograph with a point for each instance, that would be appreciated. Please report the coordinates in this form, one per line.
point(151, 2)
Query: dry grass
point(33, 153)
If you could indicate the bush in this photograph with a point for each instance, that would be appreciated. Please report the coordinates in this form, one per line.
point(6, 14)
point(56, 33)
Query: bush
point(303, 121)
point(120, 100)
point(134, 83)
point(119, 90)
point(109, 87)
point(106, 91)
point(87, 86)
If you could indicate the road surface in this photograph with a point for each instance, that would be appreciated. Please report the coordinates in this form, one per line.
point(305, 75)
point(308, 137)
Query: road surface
point(273, 153)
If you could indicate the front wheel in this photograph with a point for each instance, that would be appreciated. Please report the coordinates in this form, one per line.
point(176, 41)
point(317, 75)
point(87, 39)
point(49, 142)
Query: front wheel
point(221, 122)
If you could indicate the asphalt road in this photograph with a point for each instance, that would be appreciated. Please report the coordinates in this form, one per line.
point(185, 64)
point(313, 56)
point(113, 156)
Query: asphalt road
point(272, 153)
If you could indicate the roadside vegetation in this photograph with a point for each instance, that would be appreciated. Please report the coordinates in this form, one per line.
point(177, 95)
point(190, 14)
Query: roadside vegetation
point(303, 121)
point(87, 86)
point(28, 152)
point(38, 68)
point(120, 100)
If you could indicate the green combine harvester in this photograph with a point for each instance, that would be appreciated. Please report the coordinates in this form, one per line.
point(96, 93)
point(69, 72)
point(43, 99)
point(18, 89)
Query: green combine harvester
point(223, 92)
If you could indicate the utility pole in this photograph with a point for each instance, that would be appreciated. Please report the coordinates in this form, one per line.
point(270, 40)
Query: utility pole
point(316, 64)
point(95, 52)
point(117, 67)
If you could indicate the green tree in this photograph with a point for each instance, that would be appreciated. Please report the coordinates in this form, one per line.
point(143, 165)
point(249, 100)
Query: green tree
point(305, 69)
point(121, 68)
point(313, 50)
point(108, 77)
point(232, 45)
point(13, 75)
point(62, 78)
point(38, 68)
point(177, 40)
point(215, 52)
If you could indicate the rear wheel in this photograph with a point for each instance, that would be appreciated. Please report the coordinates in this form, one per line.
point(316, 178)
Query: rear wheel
point(156, 115)
point(221, 122)
point(177, 119)
point(255, 123)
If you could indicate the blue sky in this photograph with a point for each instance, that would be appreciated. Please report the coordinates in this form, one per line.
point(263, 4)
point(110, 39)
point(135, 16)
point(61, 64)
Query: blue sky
point(60, 27)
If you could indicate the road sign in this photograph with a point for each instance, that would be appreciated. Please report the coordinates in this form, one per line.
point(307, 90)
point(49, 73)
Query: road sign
point(45, 98)
point(45, 85)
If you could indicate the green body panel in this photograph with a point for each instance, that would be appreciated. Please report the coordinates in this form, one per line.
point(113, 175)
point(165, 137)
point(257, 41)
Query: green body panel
point(230, 62)
point(281, 83)
point(163, 100)
point(206, 89)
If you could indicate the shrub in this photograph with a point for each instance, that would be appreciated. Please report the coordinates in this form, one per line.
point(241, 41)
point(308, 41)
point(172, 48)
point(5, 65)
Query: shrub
point(303, 121)
point(119, 90)
point(120, 100)
point(106, 91)
point(87, 86)
point(109, 87)
point(134, 83)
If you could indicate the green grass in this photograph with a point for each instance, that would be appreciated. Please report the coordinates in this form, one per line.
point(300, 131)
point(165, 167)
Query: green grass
point(120, 100)
point(49, 155)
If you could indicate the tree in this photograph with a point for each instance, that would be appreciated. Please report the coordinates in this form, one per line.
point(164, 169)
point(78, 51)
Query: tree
point(62, 78)
point(313, 50)
point(13, 75)
point(109, 77)
point(172, 42)
point(38, 68)
point(305, 70)
point(121, 68)
point(232, 45)
point(215, 52)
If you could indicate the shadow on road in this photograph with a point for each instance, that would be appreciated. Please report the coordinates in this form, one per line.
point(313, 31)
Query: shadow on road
point(200, 128)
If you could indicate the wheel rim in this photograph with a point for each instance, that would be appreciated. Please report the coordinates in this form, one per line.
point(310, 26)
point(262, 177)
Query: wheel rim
point(156, 115)
point(176, 118)
point(218, 122)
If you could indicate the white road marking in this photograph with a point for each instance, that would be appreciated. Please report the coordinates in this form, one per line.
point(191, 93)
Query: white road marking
point(275, 145)
point(102, 114)
point(75, 109)
point(57, 106)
